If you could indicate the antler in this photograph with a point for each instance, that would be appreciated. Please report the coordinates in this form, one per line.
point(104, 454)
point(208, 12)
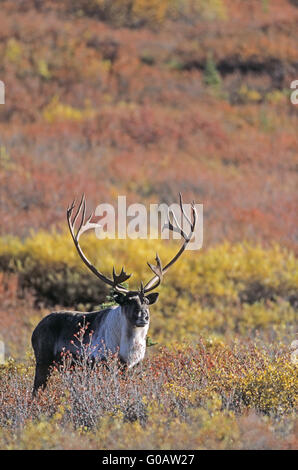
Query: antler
point(118, 279)
point(83, 227)
point(158, 270)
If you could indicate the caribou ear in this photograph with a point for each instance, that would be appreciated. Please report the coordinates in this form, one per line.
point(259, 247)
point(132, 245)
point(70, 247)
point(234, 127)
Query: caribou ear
point(119, 298)
point(152, 297)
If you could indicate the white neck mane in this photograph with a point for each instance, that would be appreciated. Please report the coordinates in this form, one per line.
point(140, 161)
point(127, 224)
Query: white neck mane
point(117, 335)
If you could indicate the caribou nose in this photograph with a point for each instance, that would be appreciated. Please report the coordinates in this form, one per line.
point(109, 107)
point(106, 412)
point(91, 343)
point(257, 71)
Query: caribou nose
point(142, 319)
point(145, 316)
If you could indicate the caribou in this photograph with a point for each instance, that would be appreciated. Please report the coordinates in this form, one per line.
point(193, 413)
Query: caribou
point(121, 329)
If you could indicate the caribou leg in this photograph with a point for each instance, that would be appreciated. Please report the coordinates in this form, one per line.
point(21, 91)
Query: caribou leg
point(42, 372)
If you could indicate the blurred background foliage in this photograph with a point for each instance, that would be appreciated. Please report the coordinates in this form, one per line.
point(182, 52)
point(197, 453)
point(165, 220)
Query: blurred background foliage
point(147, 99)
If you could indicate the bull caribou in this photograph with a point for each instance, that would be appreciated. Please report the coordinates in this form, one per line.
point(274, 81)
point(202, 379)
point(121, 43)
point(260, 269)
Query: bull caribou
point(121, 329)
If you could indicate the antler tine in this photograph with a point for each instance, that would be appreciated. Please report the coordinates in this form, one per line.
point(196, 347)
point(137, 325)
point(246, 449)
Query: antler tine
point(82, 222)
point(69, 211)
point(90, 217)
point(183, 211)
point(142, 290)
point(168, 224)
point(70, 208)
point(194, 216)
point(78, 211)
point(157, 271)
point(176, 228)
point(119, 278)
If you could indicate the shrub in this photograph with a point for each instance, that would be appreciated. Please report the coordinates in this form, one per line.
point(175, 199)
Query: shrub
point(194, 396)
point(212, 77)
point(136, 13)
point(56, 111)
point(124, 12)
